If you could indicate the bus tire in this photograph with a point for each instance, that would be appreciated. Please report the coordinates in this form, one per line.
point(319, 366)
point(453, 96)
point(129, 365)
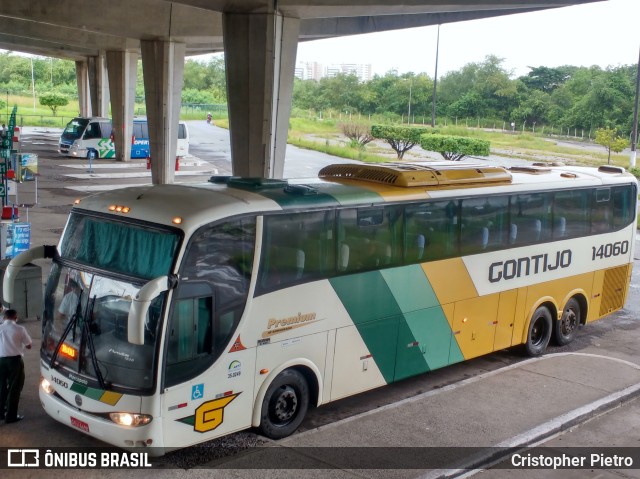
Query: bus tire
point(566, 328)
point(284, 405)
point(92, 155)
point(540, 330)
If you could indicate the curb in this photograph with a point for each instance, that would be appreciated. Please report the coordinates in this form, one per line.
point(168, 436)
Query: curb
point(538, 434)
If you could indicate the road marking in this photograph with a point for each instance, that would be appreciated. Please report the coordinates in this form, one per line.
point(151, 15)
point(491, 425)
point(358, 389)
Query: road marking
point(97, 188)
point(134, 174)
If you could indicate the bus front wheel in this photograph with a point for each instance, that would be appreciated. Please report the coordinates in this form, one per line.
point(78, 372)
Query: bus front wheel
point(566, 329)
point(284, 405)
point(540, 329)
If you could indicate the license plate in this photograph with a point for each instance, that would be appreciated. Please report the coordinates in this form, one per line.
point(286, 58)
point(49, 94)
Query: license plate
point(83, 426)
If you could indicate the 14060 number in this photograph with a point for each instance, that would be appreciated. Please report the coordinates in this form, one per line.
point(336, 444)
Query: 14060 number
point(610, 249)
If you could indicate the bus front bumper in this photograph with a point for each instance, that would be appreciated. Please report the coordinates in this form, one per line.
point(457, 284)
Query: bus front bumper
point(148, 436)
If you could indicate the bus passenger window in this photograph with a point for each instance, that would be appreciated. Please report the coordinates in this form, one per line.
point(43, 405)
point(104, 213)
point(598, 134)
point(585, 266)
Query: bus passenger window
point(484, 224)
point(296, 248)
point(530, 216)
point(92, 131)
point(431, 231)
point(602, 211)
point(624, 205)
point(372, 237)
point(571, 213)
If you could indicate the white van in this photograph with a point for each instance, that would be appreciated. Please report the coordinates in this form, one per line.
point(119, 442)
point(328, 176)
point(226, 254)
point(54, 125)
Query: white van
point(92, 138)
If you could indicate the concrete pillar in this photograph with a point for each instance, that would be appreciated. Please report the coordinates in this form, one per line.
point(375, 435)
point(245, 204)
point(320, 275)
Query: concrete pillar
point(260, 56)
point(122, 69)
point(82, 81)
point(98, 85)
point(163, 67)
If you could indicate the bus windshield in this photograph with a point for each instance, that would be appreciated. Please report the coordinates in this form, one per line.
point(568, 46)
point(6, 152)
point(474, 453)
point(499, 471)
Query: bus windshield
point(85, 330)
point(102, 266)
point(75, 128)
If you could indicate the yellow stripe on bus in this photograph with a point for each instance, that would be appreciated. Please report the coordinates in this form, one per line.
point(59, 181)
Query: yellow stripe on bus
point(450, 280)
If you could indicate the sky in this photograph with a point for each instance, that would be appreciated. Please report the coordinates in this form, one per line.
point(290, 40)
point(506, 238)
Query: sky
point(604, 33)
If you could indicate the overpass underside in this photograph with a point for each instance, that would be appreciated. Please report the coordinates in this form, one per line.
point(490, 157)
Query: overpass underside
point(259, 39)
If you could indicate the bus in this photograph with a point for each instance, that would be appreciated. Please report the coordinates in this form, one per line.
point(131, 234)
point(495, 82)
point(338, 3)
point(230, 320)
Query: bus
point(92, 138)
point(177, 314)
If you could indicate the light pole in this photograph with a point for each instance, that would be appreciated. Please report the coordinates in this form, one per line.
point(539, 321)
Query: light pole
point(409, 114)
point(634, 133)
point(435, 83)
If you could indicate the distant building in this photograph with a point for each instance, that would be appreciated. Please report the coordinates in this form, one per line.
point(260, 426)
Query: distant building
point(309, 70)
point(316, 71)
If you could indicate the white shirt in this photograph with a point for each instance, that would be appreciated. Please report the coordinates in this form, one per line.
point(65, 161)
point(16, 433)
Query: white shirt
point(13, 339)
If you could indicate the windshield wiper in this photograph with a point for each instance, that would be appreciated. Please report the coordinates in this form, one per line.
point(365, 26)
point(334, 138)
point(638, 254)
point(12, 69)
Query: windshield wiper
point(92, 350)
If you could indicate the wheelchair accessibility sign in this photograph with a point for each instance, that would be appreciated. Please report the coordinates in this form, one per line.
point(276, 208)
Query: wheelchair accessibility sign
point(197, 391)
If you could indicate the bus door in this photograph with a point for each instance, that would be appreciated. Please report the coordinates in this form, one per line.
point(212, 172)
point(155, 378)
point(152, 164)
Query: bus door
point(208, 383)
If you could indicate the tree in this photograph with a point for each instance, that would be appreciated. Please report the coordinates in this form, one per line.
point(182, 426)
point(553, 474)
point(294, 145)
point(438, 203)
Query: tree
point(359, 134)
point(53, 100)
point(454, 148)
point(608, 138)
point(400, 138)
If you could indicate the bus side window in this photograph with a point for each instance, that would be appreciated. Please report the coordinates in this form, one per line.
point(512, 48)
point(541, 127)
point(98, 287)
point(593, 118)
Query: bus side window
point(571, 213)
point(431, 231)
point(372, 237)
point(601, 211)
point(484, 224)
point(296, 248)
point(624, 205)
point(106, 129)
point(92, 131)
point(530, 217)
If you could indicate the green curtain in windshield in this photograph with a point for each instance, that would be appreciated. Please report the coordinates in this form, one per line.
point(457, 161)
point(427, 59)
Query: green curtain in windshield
point(126, 248)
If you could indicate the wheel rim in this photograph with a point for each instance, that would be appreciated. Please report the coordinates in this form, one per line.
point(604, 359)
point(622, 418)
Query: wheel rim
point(538, 331)
point(285, 405)
point(569, 322)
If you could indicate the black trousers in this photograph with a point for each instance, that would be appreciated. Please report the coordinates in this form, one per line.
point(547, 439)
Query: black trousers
point(11, 383)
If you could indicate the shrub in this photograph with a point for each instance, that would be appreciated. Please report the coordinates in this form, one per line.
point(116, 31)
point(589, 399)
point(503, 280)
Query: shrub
point(454, 148)
point(400, 138)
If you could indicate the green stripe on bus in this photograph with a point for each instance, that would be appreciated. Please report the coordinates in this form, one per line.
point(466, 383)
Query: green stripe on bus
point(376, 314)
point(326, 194)
point(78, 388)
point(410, 287)
point(400, 320)
point(351, 195)
point(425, 338)
point(291, 201)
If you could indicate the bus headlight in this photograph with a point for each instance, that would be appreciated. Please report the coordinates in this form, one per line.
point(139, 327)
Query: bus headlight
point(46, 386)
point(130, 419)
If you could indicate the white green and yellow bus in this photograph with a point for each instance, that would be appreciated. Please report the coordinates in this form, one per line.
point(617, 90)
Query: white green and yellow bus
point(175, 314)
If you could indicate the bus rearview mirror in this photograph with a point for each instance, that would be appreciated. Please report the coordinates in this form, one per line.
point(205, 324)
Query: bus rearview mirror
point(140, 307)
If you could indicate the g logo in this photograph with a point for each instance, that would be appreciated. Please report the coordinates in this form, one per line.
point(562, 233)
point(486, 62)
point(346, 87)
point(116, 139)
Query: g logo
point(210, 415)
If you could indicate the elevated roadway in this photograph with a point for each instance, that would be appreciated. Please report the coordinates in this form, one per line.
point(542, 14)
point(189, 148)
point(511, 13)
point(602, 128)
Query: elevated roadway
point(259, 39)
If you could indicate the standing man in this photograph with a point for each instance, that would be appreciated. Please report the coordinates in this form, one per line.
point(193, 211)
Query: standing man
point(13, 339)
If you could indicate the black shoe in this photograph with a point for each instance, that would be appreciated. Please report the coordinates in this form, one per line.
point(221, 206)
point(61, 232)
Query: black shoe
point(16, 419)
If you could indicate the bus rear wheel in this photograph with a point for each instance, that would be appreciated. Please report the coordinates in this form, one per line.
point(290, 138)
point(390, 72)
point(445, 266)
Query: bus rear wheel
point(284, 405)
point(540, 329)
point(566, 329)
